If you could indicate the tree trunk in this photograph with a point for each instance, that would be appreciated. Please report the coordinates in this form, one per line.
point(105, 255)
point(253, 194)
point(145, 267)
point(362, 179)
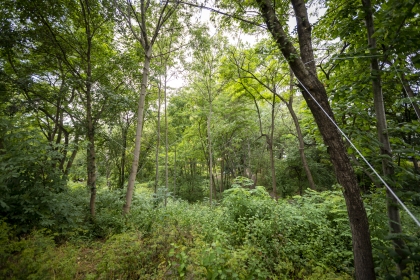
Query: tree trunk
point(123, 156)
point(157, 141)
point(300, 136)
point(139, 130)
point(166, 136)
point(210, 151)
point(91, 153)
point(72, 156)
point(362, 248)
point(385, 150)
point(271, 147)
point(175, 171)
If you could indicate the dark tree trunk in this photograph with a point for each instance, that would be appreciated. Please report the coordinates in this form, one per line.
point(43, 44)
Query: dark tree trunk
point(90, 121)
point(72, 156)
point(91, 161)
point(385, 150)
point(304, 69)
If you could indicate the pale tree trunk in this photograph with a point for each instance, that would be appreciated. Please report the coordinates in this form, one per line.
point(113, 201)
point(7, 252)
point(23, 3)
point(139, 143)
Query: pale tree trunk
point(139, 130)
point(210, 151)
point(166, 135)
point(124, 133)
point(271, 147)
point(385, 150)
point(157, 141)
point(147, 42)
point(289, 105)
point(304, 68)
point(175, 171)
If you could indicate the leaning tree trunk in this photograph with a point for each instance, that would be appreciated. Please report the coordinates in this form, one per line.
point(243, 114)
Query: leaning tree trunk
point(305, 164)
point(383, 137)
point(139, 131)
point(303, 66)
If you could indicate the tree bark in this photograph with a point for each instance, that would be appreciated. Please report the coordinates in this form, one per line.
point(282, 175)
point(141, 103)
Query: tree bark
point(381, 125)
point(91, 153)
point(90, 126)
point(305, 72)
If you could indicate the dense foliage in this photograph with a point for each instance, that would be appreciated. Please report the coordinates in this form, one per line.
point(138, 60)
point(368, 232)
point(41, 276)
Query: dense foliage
point(247, 236)
point(232, 177)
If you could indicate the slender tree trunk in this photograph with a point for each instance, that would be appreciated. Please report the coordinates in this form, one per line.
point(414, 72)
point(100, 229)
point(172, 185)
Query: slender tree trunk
point(139, 130)
point(72, 156)
point(416, 165)
point(166, 137)
point(157, 141)
point(271, 147)
point(210, 151)
point(175, 171)
point(386, 152)
point(362, 248)
point(123, 157)
point(91, 153)
point(300, 136)
point(222, 171)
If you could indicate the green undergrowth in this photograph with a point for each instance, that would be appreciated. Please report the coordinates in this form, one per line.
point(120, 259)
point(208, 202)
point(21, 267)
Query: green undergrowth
point(247, 235)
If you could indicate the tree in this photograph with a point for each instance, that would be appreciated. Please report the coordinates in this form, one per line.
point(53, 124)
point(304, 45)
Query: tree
point(146, 33)
point(206, 82)
point(268, 75)
point(303, 66)
point(78, 35)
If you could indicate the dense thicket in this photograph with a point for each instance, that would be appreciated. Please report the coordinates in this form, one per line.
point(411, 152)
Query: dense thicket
point(234, 168)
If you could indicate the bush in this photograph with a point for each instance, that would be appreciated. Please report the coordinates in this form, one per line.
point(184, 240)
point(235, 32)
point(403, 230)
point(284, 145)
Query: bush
point(32, 187)
point(34, 257)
